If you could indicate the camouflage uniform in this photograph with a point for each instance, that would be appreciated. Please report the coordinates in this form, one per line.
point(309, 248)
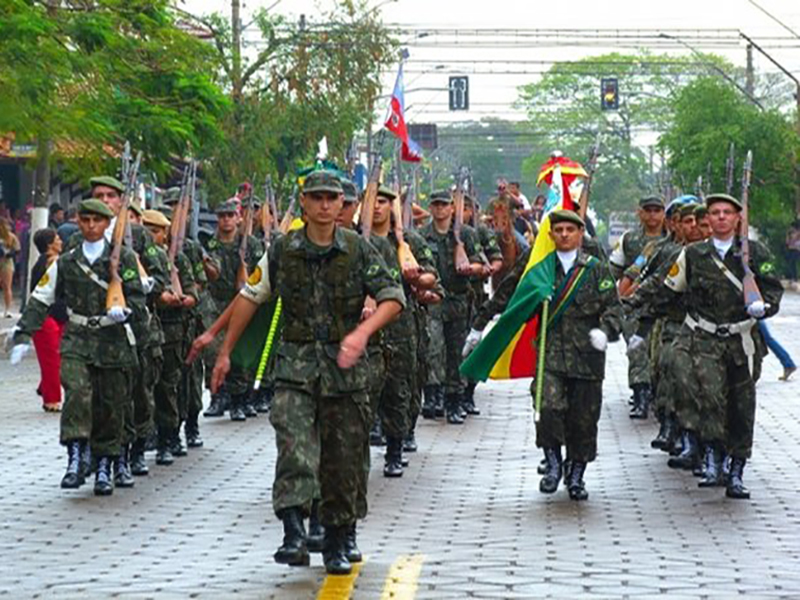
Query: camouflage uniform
point(191, 391)
point(320, 412)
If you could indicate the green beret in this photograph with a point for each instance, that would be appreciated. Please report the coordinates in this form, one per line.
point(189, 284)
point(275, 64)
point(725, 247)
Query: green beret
point(566, 216)
point(651, 201)
point(386, 193)
point(136, 207)
point(714, 198)
point(96, 207)
point(350, 191)
point(687, 210)
point(441, 196)
point(107, 181)
point(226, 208)
point(322, 181)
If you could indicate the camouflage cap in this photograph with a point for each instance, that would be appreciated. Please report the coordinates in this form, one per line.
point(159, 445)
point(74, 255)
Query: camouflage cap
point(107, 181)
point(155, 218)
point(687, 210)
point(386, 192)
point(322, 181)
point(443, 196)
point(714, 198)
point(700, 211)
point(651, 201)
point(566, 216)
point(96, 207)
point(227, 207)
point(136, 207)
point(350, 191)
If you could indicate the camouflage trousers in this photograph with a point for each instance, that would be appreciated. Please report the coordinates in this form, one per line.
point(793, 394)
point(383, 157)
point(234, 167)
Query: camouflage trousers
point(397, 393)
point(190, 394)
point(238, 381)
point(435, 372)
point(94, 407)
point(320, 441)
point(726, 391)
point(638, 359)
point(139, 416)
point(167, 416)
point(570, 412)
point(377, 376)
point(665, 375)
point(455, 334)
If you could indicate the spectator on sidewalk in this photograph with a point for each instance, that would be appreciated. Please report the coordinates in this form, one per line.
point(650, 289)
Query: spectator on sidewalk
point(9, 248)
point(56, 216)
point(793, 250)
point(69, 226)
point(786, 360)
point(47, 340)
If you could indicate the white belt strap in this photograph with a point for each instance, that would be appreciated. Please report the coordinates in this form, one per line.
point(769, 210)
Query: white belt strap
point(727, 272)
point(742, 329)
point(101, 321)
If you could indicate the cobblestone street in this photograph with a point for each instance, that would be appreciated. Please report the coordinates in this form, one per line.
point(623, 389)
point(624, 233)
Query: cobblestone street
point(465, 521)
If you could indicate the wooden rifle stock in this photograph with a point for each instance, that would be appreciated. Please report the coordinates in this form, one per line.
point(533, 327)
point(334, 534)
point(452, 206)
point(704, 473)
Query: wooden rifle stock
point(247, 230)
point(115, 296)
point(461, 259)
point(751, 291)
point(370, 198)
point(583, 203)
point(288, 216)
point(404, 254)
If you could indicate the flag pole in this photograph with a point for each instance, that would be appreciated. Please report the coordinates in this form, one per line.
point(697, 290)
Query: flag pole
point(537, 405)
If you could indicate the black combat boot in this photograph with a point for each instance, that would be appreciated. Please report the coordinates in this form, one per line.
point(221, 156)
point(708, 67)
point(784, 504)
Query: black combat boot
point(660, 441)
point(575, 485)
point(641, 404)
point(236, 411)
point(176, 443)
point(439, 408)
point(552, 476)
point(192, 430)
point(541, 468)
point(688, 453)
point(123, 478)
point(469, 400)
point(336, 562)
point(86, 458)
point(218, 406)
point(293, 551)
point(452, 404)
point(429, 402)
point(249, 406)
point(73, 478)
point(163, 449)
point(138, 464)
point(712, 466)
point(393, 465)
point(735, 487)
point(263, 399)
point(351, 551)
point(103, 483)
point(315, 539)
point(410, 442)
point(376, 433)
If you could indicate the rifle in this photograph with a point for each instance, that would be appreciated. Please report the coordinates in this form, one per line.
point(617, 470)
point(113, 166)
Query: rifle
point(267, 217)
point(404, 254)
point(751, 291)
point(729, 169)
point(370, 197)
point(178, 227)
point(115, 295)
point(247, 229)
point(461, 259)
point(408, 205)
point(583, 202)
point(288, 216)
point(699, 188)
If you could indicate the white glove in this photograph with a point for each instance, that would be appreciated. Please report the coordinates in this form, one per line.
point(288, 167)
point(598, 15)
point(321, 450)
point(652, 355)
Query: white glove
point(757, 309)
point(472, 340)
point(147, 284)
point(634, 343)
point(18, 352)
point(599, 339)
point(118, 314)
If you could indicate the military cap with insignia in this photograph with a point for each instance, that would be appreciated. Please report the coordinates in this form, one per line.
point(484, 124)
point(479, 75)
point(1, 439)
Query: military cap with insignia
point(441, 196)
point(386, 192)
point(350, 191)
point(226, 208)
point(566, 216)
point(714, 198)
point(648, 201)
point(92, 206)
point(107, 181)
point(155, 218)
point(322, 181)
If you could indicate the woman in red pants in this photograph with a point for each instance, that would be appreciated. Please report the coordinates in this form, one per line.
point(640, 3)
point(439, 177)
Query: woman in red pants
point(47, 340)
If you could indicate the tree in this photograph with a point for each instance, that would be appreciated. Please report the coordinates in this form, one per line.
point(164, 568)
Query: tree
point(709, 115)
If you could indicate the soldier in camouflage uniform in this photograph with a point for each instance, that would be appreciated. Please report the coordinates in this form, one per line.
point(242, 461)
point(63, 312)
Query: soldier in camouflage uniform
point(172, 309)
point(320, 412)
point(455, 306)
point(223, 248)
point(721, 338)
point(400, 336)
point(634, 248)
point(98, 350)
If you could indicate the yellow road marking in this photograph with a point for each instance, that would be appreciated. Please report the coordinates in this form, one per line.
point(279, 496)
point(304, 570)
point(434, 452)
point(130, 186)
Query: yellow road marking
point(339, 587)
point(401, 583)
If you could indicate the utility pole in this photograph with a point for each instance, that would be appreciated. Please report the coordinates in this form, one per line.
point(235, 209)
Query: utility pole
point(750, 83)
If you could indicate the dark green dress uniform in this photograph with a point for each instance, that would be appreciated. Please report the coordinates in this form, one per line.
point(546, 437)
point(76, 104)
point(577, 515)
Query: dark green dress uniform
point(725, 347)
point(97, 354)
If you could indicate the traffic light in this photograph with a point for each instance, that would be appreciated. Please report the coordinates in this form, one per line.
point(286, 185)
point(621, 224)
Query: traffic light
point(609, 94)
point(459, 93)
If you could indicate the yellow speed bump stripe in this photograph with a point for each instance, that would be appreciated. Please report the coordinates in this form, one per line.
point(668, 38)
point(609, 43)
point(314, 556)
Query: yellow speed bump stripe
point(401, 583)
point(340, 587)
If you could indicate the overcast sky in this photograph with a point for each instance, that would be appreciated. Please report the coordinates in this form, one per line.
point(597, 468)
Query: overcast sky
point(430, 67)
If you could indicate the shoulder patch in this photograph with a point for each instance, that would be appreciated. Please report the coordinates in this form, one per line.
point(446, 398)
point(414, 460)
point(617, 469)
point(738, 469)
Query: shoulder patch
point(427, 252)
point(674, 270)
point(44, 280)
point(255, 277)
point(766, 268)
point(605, 284)
point(129, 275)
point(212, 243)
point(395, 274)
point(373, 270)
point(151, 251)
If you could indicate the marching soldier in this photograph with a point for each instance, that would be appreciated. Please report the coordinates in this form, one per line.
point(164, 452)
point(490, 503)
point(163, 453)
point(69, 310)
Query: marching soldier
point(98, 350)
point(320, 411)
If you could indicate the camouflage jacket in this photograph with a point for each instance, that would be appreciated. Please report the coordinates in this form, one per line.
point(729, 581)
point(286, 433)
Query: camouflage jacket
point(455, 305)
point(569, 351)
point(323, 292)
point(67, 280)
point(488, 240)
point(650, 283)
point(173, 318)
point(629, 250)
point(226, 257)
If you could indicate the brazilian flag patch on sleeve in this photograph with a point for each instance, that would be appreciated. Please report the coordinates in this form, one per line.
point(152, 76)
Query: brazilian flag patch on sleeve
point(605, 284)
point(766, 268)
point(128, 275)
